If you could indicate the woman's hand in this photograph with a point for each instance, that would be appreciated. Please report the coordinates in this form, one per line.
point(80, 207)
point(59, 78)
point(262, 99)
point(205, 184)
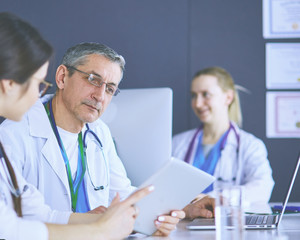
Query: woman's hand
point(167, 223)
point(118, 220)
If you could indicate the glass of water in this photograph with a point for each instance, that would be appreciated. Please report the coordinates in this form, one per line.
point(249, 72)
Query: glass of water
point(229, 214)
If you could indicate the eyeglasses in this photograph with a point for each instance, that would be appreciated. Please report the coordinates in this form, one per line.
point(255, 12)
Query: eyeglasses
point(98, 82)
point(43, 87)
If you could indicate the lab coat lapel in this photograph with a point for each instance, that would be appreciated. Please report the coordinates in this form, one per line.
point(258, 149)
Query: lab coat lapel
point(53, 156)
point(40, 127)
point(229, 159)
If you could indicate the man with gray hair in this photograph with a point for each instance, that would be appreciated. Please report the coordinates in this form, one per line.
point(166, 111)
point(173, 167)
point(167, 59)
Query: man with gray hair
point(64, 149)
point(61, 152)
point(62, 146)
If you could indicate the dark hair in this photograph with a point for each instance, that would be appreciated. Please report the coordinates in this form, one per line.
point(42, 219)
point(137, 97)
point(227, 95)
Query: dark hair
point(22, 52)
point(17, 201)
point(22, 49)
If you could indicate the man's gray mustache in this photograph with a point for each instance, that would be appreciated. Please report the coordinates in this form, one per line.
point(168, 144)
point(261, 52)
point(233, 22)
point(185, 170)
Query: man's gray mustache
point(94, 104)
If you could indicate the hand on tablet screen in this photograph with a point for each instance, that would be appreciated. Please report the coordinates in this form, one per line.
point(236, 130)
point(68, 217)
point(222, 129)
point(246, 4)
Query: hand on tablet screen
point(121, 215)
point(167, 223)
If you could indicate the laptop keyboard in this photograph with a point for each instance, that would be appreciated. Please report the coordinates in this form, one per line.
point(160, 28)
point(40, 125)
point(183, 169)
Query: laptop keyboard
point(260, 219)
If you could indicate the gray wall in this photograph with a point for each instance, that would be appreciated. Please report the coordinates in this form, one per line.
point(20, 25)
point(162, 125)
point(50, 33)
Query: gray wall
point(165, 42)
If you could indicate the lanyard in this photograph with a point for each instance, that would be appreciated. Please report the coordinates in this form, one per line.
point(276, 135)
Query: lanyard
point(73, 185)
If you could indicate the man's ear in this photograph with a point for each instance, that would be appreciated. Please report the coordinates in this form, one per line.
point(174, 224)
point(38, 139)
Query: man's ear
point(60, 75)
point(7, 85)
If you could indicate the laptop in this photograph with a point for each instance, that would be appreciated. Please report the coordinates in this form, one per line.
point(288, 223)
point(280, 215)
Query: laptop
point(253, 221)
point(176, 185)
point(140, 121)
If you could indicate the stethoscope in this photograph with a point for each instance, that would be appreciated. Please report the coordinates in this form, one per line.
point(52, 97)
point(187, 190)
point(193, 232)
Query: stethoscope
point(223, 143)
point(88, 130)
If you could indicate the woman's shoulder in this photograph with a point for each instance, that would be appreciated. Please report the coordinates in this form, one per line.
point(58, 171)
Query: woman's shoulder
point(181, 142)
point(184, 135)
point(250, 141)
point(248, 135)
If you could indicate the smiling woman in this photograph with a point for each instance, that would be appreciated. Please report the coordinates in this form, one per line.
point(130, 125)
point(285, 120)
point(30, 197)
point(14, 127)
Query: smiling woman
point(219, 146)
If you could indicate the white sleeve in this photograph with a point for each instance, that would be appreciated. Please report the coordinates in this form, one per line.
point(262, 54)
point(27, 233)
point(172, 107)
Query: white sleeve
point(119, 182)
point(257, 179)
point(33, 204)
point(13, 228)
point(34, 208)
point(181, 143)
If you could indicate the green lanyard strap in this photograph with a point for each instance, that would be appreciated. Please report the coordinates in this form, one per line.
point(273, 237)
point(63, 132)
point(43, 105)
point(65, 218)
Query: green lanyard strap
point(81, 168)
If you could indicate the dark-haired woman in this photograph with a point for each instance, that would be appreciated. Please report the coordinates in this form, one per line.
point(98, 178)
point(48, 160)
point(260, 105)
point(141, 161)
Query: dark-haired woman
point(24, 60)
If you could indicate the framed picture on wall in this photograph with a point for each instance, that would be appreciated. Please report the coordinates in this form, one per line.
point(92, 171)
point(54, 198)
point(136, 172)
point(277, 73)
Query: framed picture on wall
point(283, 65)
point(283, 114)
point(281, 18)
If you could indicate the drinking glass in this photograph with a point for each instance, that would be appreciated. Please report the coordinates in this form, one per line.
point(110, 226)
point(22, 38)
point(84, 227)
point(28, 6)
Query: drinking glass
point(229, 214)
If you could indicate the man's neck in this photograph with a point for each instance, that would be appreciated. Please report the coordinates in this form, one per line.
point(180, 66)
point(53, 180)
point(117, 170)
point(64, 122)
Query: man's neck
point(63, 118)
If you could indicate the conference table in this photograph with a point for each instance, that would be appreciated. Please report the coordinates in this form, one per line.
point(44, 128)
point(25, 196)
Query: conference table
point(288, 229)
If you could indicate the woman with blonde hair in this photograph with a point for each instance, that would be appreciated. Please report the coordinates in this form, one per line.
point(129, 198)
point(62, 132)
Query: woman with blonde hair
point(219, 146)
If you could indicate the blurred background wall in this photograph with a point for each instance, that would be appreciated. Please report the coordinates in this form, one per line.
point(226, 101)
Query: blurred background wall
point(164, 43)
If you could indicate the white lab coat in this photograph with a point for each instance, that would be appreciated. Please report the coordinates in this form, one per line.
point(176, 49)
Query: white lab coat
point(251, 167)
point(32, 145)
point(35, 212)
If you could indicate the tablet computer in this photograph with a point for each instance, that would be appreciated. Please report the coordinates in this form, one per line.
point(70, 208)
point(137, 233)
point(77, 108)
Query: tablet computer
point(176, 185)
